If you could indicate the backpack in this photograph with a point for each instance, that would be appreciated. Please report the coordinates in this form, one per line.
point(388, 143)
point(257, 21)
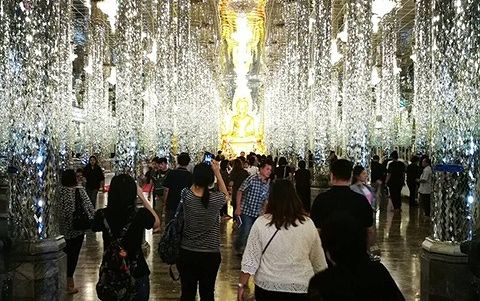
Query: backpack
point(169, 245)
point(115, 279)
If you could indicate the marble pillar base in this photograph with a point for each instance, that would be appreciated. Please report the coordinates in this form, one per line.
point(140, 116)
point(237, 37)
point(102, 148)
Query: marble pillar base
point(444, 273)
point(40, 270)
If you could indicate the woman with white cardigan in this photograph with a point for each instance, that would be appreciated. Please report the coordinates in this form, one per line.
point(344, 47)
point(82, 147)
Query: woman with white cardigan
point(283, 250)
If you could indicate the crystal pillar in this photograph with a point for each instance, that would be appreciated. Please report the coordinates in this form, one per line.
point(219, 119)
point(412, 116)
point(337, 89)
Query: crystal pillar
point(5, 72)
point(455, 111)
point(128, 105)
point(320, 108)
point(182, 129)
point(148, 138)
point(63, 127)
point(422, 99)
point(357, 103)
point(38, 77)
point(166, 78)
point(96, 95)
point(390, 84)
point(302, 59)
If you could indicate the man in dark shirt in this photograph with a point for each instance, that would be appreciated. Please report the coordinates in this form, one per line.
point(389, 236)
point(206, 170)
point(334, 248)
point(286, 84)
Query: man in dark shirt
point(396, 180)
point(159, 174)
point(378, 170)
point(340, 198)
point(414, 171)
point(174, 183)
point(353, 276)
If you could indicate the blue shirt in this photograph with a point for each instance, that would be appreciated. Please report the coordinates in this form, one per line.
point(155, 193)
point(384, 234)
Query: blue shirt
point(254, 193)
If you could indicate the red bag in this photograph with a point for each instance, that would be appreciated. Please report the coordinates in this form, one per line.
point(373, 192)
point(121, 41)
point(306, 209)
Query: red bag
point(147, 187)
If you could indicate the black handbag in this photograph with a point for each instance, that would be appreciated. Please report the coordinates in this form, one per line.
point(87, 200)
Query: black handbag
point(81, 220)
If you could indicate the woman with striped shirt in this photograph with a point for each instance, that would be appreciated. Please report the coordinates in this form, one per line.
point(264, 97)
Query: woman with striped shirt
point(200, 247)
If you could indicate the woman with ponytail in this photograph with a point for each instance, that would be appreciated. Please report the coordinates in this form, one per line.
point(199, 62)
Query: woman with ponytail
point(200, 247)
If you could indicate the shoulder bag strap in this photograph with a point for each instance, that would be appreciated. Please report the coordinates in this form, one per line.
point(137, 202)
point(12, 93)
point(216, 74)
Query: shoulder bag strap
point(180, 204)
point(268, 243)
point(122, 233)
point(107, 226)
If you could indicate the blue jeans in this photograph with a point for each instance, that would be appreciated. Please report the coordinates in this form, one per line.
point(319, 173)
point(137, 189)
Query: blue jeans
point(143, 288)
point(243, 232)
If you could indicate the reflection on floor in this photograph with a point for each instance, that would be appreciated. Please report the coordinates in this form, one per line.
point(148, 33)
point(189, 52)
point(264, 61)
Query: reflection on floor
point(399, 236)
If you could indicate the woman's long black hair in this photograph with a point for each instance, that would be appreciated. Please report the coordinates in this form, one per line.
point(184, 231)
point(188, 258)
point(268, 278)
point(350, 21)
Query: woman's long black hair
point(122, 196)
point(203, 177)
point(357, 170)
point(284, 205)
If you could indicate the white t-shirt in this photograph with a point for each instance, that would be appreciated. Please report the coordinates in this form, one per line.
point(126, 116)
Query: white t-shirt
point(426, 181)
point(292, 258)
point(252, 170)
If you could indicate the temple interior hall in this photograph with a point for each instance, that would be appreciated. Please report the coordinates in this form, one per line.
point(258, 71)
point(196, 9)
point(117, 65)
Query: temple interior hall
point(137, 84)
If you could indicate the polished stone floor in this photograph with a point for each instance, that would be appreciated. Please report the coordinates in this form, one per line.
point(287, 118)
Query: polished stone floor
point(399, 237)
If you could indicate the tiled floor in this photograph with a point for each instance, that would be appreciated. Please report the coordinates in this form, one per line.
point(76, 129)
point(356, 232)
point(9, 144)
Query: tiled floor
point(399, 236)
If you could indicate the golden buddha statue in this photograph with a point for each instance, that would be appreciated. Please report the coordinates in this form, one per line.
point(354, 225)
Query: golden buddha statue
point(241, 133)
point(243, 125)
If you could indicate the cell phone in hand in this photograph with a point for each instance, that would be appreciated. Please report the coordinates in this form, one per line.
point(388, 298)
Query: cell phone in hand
point(238, 221)
point(208, 158)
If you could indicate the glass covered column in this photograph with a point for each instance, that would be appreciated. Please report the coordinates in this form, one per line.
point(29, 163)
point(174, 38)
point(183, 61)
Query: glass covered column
point(454, 145)
point(36, 63)
point(357, 102)
point(129, 90)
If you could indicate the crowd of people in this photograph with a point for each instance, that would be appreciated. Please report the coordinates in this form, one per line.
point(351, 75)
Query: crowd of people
point(389, 178)
point(294, 249)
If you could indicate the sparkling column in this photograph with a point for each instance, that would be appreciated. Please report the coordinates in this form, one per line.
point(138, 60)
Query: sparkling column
point(38, 84)
point(390, 84)
point(150, 99)
point(166, 77)
point(128, 105)
point(455, 114)
point(422, 98)
point(357, 103)
point(289, 89)
point(5, 72)
point(182, 130)
point(321, 99)
point(302, 56)
point(63, 111)
point(96, 94)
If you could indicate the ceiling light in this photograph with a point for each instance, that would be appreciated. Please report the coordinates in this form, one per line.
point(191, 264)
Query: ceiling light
point(343, 35)
point(152, 56)
point(375, 21)
point(110, 8)
point(335, 55)
point(375, 77)
point(112, 79)
point(383, 7)
point(89, 68)
point(396, 69)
